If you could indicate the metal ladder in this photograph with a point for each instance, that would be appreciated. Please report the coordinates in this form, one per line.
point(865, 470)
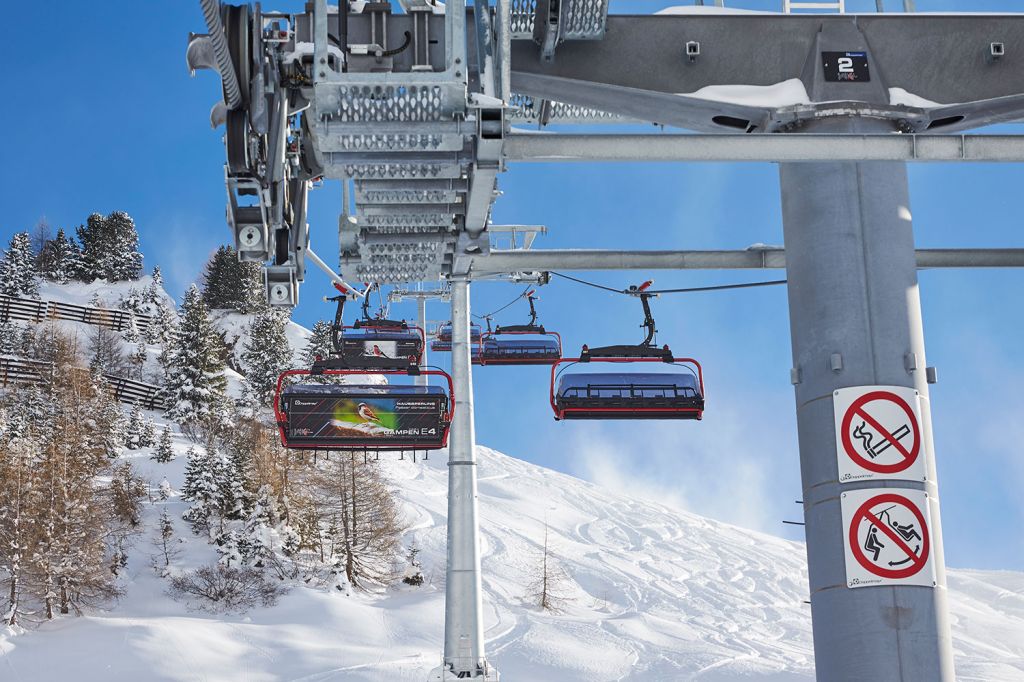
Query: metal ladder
point(836, 5)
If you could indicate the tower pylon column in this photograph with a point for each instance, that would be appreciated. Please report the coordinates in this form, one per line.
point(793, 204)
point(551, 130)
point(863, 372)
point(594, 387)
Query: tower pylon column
point(855, 319)
point(463, 624)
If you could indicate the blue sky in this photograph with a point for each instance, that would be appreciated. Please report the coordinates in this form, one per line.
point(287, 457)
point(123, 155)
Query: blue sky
point(117, 124)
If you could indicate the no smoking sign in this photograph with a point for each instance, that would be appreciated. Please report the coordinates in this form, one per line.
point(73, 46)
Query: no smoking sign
point(887, 537)
point(878, 433)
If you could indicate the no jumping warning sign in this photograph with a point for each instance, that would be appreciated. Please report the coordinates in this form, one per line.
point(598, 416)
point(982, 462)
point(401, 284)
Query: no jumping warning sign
point(878, 433)
point(887, 537)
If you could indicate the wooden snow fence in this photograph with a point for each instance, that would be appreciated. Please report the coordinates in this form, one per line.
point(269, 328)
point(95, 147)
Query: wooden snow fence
point(32, 310)
point(14, 370)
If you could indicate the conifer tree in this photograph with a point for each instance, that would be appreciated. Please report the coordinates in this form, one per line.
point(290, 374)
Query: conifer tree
point(319, 343)
point(231, 284)
point(133, 429)
point(60, 258)
point(17, 269)
point(148, 439)
point(10, 338)
point(164, 451)
point(164, 489)
point(166, 544)
point(162, 326)
point(265, 356)
point(131, 332)
point(158, 281)
point(109, 436)
point(110, 248)
point(126, 261)
point(199, 488)
point(195, 380)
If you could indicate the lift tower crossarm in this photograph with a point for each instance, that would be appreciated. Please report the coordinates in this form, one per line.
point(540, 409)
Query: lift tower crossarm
point(764, 148)
point(502, 262)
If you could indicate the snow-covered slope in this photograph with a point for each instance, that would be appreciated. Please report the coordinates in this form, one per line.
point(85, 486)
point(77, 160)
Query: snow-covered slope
point(655, 594)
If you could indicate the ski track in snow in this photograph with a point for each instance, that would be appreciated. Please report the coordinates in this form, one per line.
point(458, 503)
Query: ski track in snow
point(654, 593)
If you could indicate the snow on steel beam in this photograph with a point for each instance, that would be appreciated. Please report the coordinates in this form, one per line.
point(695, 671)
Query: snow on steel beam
point(763, 148)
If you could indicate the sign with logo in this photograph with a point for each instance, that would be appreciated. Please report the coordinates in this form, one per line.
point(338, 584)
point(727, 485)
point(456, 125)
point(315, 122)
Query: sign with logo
point(878, 433)
point(846, 67)
point(887, 537)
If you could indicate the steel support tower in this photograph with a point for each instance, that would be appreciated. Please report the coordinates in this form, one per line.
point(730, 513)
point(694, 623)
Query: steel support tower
point(855, 320)
point(417, 110)
point(463, 622)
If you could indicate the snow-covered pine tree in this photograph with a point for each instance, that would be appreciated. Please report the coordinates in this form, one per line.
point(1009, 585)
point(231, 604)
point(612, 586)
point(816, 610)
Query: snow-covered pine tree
point(319, 343)
point(231, 284)
point(148, 439)
point(10, 338)
point(252, 297)
point(131, 332)
point(265, 356)
point(164, 451)
point(230, 484)
point(107, 416)
point(164, 490)
point(126, 260)
point(17, 269)
point(217, 279)
point(195, 380)
point(60, 258)
point(110, 248)
point(199, 488)
point(95, 245)
point(194, 466)
point(133, 429)
point(162, 326)
point(255, 540)
point(158, 282)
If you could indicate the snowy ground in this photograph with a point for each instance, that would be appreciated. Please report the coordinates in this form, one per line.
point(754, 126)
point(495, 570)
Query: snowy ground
point(656, 594)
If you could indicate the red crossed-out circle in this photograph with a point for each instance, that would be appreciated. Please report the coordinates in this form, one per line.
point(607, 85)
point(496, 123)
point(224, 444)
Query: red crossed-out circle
point(858, 409)
point(864, 512)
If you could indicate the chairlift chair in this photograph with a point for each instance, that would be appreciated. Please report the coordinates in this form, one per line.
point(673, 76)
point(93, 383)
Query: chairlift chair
point(443, 342)
point(539, 347)
point(629, 394)
point(375, 342)
point(361, 416)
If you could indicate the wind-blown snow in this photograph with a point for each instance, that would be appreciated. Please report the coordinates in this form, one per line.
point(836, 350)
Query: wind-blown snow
point(784, 94)
point(656, 594)
point(899, 96)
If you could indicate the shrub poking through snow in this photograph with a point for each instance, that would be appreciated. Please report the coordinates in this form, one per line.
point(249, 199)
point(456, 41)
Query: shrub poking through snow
point(220, 588)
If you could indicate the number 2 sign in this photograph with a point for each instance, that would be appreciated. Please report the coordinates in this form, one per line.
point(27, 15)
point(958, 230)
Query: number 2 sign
point(846, 67)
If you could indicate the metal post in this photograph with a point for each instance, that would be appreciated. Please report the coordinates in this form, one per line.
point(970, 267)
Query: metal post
point(463, 627)
point(421, 320)
point(853, 292)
